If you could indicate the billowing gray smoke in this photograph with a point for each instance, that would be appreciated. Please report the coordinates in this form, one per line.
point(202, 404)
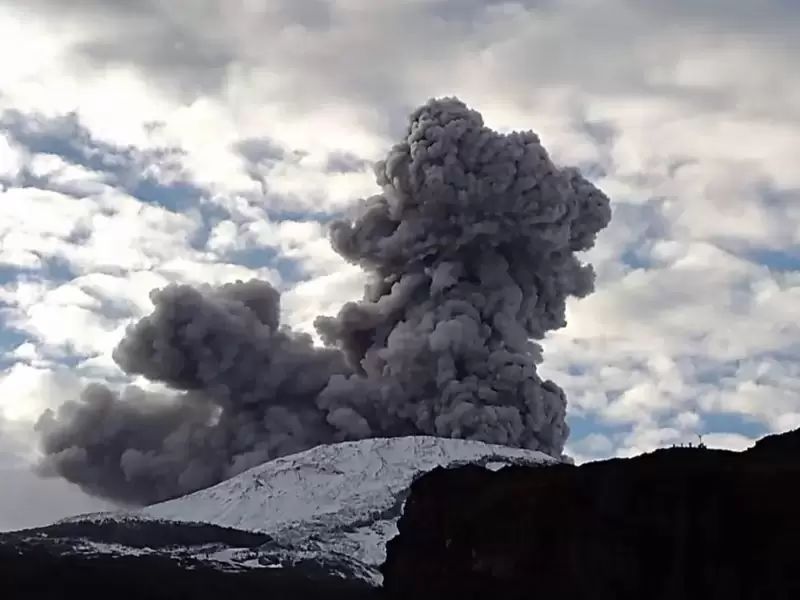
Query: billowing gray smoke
point(251, 389)
point(470, 248)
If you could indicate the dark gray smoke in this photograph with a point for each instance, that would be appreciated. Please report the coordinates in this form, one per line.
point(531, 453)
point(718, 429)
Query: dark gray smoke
point(250, 395)
point(470, 248)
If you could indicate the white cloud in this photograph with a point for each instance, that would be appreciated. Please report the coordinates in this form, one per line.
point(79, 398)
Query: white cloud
point(26, 391)
point(65, 177)
point(322, 295)
point(11, 158)
point(765, 390)
point(728, 441)
point(591, 447)
point(109, 231)
point(304, 242)
point(214, 273)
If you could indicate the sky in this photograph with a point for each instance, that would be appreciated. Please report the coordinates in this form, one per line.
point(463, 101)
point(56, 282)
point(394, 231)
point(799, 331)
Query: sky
point(202, 141)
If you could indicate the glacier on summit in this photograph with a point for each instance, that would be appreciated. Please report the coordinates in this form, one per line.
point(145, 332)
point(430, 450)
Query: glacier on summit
point(332, 500)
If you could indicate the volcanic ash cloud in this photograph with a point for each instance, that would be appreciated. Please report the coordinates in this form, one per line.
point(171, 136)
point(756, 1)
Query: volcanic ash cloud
point(470, 251)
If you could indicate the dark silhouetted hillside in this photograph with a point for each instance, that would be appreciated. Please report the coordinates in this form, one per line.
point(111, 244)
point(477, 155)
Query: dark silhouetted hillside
point(58, 562)
point(676, 524)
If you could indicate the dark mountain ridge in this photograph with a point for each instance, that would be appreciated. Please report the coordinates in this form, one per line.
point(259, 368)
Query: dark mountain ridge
point(678, 523)
point(99, 559)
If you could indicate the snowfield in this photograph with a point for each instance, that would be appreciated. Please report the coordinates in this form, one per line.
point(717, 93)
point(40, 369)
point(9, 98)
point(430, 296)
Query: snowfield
point(333, 500)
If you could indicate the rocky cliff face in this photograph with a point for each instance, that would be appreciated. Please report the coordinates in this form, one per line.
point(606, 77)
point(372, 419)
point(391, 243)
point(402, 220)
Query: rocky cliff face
point(679, 523)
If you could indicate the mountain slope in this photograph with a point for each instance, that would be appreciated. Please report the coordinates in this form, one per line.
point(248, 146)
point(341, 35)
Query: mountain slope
point(158, 560)
point(337, 503)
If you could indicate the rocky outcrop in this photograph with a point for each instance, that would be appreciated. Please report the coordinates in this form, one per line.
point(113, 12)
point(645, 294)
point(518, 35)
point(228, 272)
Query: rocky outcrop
point(676, 524)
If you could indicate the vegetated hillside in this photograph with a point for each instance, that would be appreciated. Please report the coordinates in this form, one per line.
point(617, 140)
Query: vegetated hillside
point(677, 524)
point(155, 560)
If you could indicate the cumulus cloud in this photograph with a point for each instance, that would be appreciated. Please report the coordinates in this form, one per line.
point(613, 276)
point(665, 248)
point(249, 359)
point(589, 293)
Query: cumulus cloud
point(470, 251)
point(26, 390)
point(111, 231)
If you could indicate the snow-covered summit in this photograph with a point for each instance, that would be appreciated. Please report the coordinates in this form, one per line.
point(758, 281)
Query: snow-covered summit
point(341, 482)
point(340, 499)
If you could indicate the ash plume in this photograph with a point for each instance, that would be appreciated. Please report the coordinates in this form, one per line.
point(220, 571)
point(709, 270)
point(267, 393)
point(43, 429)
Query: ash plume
point(470, 250)
point(250, 395)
